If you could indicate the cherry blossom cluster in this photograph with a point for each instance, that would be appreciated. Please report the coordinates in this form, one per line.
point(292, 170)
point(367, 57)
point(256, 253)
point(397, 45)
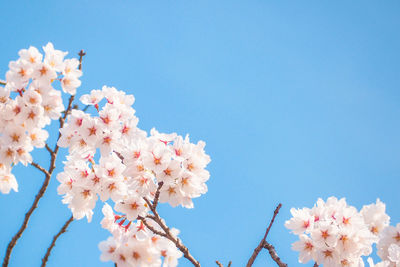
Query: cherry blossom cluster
point(130, 165)
point(389, 246)
point(333, 233)
point(112, 159)
point(28, 103)
point(133, 244)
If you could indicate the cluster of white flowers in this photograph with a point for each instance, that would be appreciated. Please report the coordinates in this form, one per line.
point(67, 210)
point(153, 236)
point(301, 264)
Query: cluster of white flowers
point(132, 244)
point(130, 164)
point(333, 233)
point(389, 246)
point(29, 102)
point(130, 167)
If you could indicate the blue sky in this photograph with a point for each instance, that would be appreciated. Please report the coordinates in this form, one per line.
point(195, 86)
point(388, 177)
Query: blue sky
point(295, 100)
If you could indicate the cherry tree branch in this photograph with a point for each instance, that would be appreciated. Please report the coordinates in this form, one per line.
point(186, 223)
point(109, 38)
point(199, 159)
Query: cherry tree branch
point(40, 168)
point(48, 149)
point(273, 254)
point(263, 241)
point(45, 184)
point(221, 265)
point(166, 230)
point(53, 243)
point(2, 82)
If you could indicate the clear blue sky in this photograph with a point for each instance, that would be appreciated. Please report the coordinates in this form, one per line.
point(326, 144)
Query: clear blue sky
point(295, 100)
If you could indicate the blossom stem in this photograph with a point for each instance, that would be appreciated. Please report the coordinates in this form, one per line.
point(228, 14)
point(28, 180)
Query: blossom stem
point(45, 184)
point(53, 243)
point(263, 241)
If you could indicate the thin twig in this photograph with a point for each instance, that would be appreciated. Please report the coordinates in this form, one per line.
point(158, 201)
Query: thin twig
point(53, 243)
point(167, 232)
point(157, 195)
point(230, 263)
point(273, 254)
point(45, 184)
point(49, 149)
point(151, 228)
point(315, 265)
point(2, 82)
point(219, 264)
point(262, 242)
point(40, 168)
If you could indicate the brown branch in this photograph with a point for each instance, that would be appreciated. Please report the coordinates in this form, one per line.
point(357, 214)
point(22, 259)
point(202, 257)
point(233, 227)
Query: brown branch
point(273, 254)
point(315, 265)
point(167, 232)
point(157, 195)
point(262, 242)
point(221, 265)
point(53, 243)
point(49, 149)
point(151, 228)
point(40, 168)
point(45, 184)
point(2, 82)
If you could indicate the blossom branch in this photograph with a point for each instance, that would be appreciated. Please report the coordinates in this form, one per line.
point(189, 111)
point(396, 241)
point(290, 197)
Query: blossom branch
point(40, 168)
point(167, 231)
point(263, 241)
point(53, 243)
point(45, 184)
point(151, 228)
point(273, 254)
point(157, 195)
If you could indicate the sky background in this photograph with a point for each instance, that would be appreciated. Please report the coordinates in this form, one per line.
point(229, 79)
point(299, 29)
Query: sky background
point(295, 100)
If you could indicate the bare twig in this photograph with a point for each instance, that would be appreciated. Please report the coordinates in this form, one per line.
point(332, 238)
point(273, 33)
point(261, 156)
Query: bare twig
point(45, 184)
point(221, 265)
point(262, 242)
point(40, 168)
point(166, 230)
point(49, 149)
point(273, 254)
point(53, 243)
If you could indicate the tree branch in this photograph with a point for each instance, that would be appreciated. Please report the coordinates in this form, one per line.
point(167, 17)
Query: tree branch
point(262, 242)
point(2, 82)
point(45, 184)
point(221, 265)
point(40, 168)
point(167, 232)
point(157, 195)
point(273, 254)
point(53, 243)
point(49, 149)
